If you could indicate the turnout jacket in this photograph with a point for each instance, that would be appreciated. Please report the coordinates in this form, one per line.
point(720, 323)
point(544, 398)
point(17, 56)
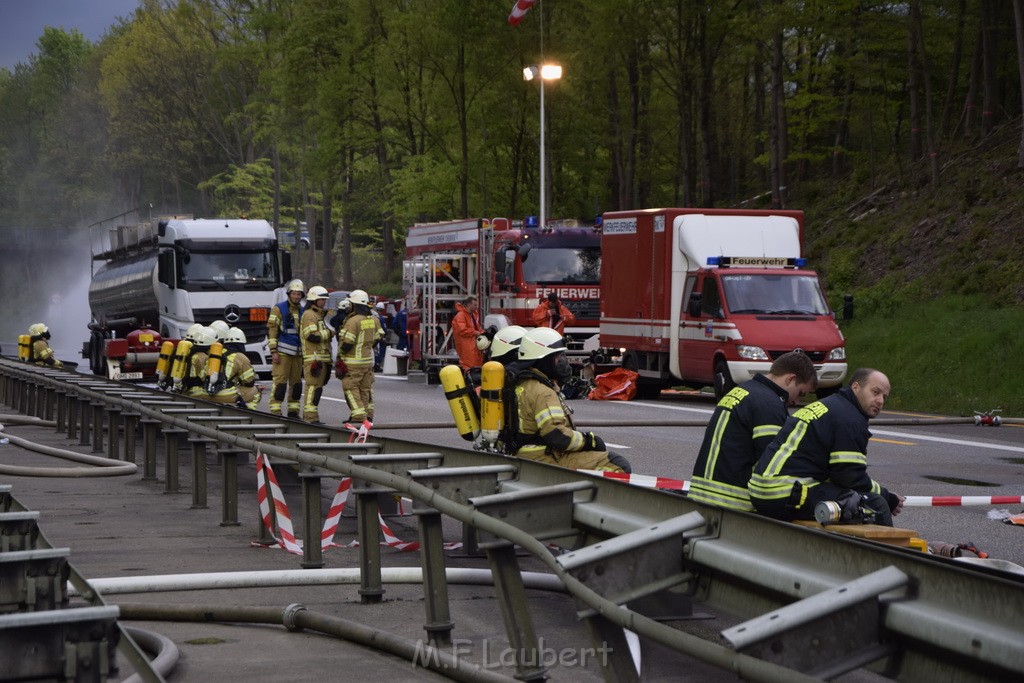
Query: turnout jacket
point(544, 422)
point(283, 328)
point(316, 338)
point(826, 441)
point(42, 354)
point(356, 338)
point(743, 424)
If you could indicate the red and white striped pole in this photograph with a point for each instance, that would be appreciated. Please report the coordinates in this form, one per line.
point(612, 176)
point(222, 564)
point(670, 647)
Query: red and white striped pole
point(519, 10)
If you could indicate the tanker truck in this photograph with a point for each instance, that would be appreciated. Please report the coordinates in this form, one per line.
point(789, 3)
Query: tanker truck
point(151, 281)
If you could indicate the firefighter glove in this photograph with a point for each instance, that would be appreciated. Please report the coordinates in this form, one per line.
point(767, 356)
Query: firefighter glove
point(340, 369)
point(314, 368)
point(592, 442)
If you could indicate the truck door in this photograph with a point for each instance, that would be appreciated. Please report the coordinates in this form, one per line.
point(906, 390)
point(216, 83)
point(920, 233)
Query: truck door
point(702, 308)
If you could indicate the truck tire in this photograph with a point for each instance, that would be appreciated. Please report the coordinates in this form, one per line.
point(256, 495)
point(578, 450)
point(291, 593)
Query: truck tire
point(723, 380)
point(646, 389)
point(97, 359)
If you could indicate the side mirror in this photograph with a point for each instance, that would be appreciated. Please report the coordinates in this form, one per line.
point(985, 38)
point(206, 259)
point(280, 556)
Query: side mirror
point(524, 250)
point(694, 305)
point(500, 259)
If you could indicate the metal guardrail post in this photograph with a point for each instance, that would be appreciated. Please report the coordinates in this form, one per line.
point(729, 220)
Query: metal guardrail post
point(312, 549)
point(229, 484)
point(371, 587)
point(97, 427)
point(439, 622)
point(61, 401)
point(130, 420)
point(84, 414)
point(515, 613)
point(199, 472)
point(72, 415)
point(150, 427)
point(172, 483)
point(114, 431)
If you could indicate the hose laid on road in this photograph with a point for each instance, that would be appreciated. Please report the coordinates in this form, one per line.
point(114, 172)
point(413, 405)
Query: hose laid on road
point(167, 653)
point(299, 577)
point(105, 467)
point(297, 617)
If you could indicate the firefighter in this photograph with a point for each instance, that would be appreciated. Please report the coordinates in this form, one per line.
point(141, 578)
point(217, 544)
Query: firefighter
point(220, 328)
point(504, 348)
point(552, 313)
point(743, 424)
point(194, 381)
point(316, 352)
point(465, 329)
point(545, 431)
point(238, 379)
point(286, 351)
point(820, 455)
point(356, 338)
point(40, 352)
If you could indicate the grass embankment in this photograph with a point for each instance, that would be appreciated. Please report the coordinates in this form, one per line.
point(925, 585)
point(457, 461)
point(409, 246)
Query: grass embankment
point(954, 355)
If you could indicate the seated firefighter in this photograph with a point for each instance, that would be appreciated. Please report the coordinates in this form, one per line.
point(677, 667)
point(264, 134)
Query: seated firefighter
point(237, 381)
point(40, 352)
point(544, 429)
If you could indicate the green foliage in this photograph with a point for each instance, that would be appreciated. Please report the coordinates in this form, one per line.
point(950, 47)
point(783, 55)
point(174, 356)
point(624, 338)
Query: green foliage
point(243, 190)
point(953, 355)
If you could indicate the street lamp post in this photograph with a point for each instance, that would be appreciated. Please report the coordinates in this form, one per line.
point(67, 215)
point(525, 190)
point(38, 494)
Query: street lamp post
point(546, 72)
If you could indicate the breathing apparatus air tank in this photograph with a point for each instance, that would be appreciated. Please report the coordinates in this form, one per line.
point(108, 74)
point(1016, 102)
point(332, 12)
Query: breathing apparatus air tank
point(24, 347)
point(180, 365)
point(213, 366)
point(455, 390)
point(163, 362)
point(492, 411)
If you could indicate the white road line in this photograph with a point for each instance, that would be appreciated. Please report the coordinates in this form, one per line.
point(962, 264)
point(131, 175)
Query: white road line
point(955, 442)
point(706, 411)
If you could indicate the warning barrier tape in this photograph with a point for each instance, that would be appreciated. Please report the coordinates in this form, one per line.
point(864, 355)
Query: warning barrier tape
point(943, 501)
point(643, 480)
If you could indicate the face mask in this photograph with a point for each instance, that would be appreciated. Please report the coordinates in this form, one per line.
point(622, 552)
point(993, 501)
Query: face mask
point(46, 335)
point(563, 370)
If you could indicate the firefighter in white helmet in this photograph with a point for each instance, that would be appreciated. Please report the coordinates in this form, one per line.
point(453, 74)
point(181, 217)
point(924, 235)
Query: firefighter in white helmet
point(238, 380)
point(40, 352)
point(286, 351)
point(220, 329)
point(360, 331)
point(194, 381)
point(545, 431)
point(316, 352)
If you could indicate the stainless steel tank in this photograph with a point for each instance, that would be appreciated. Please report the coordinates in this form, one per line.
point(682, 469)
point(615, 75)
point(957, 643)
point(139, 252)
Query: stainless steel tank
point(125, 288)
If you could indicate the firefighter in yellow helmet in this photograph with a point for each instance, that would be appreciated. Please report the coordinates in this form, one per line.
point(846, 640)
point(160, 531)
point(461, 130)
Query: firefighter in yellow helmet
point(316, 352)
point(237, 382)
point(360, 331)
point(545, 431)
point(40, 352)
point(286, 351)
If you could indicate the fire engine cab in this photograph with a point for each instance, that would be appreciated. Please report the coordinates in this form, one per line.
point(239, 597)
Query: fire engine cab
point(510, 266)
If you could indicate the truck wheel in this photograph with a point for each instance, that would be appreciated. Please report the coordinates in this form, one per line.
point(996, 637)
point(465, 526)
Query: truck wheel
point(645, 389)
point(97, 359)
point(723, 380)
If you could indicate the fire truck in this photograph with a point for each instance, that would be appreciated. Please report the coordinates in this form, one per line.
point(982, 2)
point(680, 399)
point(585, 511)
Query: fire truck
point(510, 266)
point(156, 278)
point(710, 297)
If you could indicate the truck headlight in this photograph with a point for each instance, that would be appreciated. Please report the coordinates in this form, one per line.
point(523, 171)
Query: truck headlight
point(752, 353)
point(838, 353)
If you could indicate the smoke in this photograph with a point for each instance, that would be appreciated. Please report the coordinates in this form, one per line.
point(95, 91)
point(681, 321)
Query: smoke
point(44, 277)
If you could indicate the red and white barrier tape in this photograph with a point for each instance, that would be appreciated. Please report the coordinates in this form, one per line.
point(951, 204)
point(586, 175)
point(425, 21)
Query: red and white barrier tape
point(644, 480)
point(951, 501)
point(272, 493)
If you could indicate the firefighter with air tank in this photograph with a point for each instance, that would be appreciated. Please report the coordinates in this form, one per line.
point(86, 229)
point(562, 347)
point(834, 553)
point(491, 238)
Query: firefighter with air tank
point(286, 351)
point(233, 380)
point(316, 352)
point(38, 349)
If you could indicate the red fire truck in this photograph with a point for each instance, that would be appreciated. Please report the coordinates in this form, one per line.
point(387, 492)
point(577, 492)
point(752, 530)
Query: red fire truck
point(509, 266)
point(701, 297)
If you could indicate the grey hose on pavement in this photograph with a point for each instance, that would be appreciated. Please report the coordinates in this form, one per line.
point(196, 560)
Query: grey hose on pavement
point(167, 653)
point(105, 467)
point(297, 618)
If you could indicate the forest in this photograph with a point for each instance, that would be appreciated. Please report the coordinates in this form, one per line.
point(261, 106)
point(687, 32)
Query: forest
point(369, 115)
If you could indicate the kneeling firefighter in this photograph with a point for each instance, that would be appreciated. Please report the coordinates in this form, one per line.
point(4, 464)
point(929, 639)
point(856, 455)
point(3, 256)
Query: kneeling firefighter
point(316, 352)
point(235, 380)
point(545, 431)
point(39, 351)
point(194, 372)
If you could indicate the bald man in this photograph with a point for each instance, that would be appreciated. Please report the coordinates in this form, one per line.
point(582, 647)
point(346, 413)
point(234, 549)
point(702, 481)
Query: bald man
point(821, 455)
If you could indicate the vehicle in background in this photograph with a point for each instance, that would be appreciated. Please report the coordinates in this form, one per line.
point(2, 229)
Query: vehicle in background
point(156, 279)
point(510, 266)
point(700, 297)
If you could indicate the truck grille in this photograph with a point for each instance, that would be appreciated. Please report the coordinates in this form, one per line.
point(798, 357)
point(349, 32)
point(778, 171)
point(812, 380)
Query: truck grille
point(586, 309)
point(255, 331)
point(815, 356)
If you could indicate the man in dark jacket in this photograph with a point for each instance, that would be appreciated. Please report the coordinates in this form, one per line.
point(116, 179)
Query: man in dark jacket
point(743, 424)
point(821, 455)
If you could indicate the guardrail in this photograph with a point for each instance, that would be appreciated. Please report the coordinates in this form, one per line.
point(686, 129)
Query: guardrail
point(906, 614)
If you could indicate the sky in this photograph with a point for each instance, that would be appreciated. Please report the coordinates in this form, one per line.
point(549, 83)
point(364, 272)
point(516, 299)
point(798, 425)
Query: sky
point(22, 22)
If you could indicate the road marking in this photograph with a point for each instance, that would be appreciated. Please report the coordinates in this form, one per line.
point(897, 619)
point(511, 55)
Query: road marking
point(954, 442)
point(898, 443)
point(706, 411)
point(616, 445)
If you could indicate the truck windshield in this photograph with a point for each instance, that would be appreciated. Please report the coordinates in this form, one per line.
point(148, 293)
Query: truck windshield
point(200, 270)
point(556, 265)
point(774, 294)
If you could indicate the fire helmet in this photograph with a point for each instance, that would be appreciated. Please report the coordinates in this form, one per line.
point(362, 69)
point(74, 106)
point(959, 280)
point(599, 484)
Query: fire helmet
point(540, 342)
point(316, 292)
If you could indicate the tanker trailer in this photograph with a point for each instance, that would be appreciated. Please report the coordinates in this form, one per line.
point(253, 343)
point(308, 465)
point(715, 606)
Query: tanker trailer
point(156, 279)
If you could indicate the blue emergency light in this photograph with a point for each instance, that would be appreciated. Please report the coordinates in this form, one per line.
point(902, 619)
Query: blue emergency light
point(801, 262)
point(530, 222)
point(714, 260)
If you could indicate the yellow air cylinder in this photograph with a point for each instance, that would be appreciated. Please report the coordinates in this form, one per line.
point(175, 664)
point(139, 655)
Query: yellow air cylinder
point(178, 368)
point(455, 390)
point(492, 412)
point(24, 346)
point(163, 361)
point(213, 365)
